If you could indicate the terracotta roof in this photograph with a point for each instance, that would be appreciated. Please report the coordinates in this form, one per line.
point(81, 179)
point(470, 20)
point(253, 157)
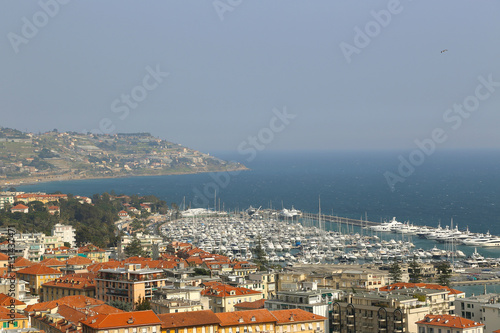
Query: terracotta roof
point(51, 262)
point(3, 257)
point(245, 317)
point(217, 289)
point(188, 319)
point(71, 314)
point(53, 208)
point(123, 319)
point(89, 248)
point(403, 285)
point(38, 269)
point(22, 262)
point(296, 315)
point(106, 309)
point(71, 283)
point(19, 207)
point(258, 304)
point(448, 321)
point(5, 314)
point(77, 301)
point(5, 300)
point(77, 260)
point(104, 265)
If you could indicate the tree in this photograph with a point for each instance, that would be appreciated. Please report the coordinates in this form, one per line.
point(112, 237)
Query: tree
point(415, 272)
point(135, 249)
point(121, 305)
point(444, 273)
point(67, 244)
point(260, 255)
point(201, 271)
point(395, 272)
point(142, 304)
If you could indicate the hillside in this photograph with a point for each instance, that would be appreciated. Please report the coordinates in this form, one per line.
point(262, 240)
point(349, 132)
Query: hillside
point(28, 157)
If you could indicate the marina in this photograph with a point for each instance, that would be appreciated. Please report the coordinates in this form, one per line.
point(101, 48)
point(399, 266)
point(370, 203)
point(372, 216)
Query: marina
point(289, 236)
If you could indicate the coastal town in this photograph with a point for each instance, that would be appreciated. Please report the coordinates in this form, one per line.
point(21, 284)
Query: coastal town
point(27, 158)
point(170, 270)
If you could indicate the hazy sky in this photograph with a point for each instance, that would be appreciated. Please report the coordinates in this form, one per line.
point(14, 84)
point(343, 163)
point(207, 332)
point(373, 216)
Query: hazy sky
point(71, 65)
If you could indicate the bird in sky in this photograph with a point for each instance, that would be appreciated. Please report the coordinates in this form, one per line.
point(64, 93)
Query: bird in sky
point(445, 50)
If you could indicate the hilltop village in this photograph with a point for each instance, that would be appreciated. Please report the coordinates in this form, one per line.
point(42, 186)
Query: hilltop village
point(31, 158)
point(138, 275)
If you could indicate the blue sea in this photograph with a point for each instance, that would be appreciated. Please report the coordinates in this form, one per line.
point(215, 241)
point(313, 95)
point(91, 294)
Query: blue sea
point(460, 185)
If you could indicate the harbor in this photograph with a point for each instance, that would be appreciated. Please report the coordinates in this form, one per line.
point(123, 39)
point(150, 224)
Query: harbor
point(290, 237)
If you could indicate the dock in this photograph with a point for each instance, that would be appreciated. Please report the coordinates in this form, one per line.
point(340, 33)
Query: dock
point(475, 282)
point(338, 219)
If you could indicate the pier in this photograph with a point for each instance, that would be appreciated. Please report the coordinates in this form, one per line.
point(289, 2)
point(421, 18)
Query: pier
point(475, 282)
point(338, 219)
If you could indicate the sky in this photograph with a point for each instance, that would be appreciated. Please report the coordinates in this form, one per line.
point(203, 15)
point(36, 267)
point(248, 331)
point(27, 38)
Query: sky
point(277, 75)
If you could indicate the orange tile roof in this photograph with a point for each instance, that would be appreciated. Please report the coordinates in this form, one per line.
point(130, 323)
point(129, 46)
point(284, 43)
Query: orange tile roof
point(448, 321)
point(217, 289)
point(296, 315)
point(245, 317)
point(3, 257)
point(89, 248)
point(19, 207)
point(188, 319)
point(258, 304)
point(38, 269)
point(6, 300)
point(22, 262)
point(104, 265)
point(403, 285)
point(5, 314)
point(71, 314)
point(77, 260)
point(106, 309)
point(77, 301)
point(51, 262)
point(123, 319)
point(69, 282)
point(53, 208)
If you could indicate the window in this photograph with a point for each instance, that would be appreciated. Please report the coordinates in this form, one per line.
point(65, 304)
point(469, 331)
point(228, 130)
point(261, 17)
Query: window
point(5, 324)
point(144, 330)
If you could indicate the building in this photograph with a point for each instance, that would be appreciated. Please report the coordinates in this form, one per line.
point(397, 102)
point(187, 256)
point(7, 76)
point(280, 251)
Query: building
point(124, 322)
point(171, 299)
point(223, 297)
point(6, 200)
point(36, 275)
point(93, 252)
point(189, 322)
point(395, 311)
point(20, 291)
point(128, 284)
point(66, 232)
point(246, 321)
point(68, 286)
point(297, 320)
point(76, 264)
point(42, 197)
point(313, 301)
point(7, 322)
point(451, 294)
point(255, 305)
point(53, 210)
point(448, 323)
point(20, 208)
point(8, 301)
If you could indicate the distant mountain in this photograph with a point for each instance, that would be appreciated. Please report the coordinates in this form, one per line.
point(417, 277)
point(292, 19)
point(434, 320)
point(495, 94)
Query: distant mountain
point(28, 157)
